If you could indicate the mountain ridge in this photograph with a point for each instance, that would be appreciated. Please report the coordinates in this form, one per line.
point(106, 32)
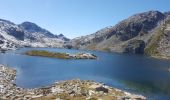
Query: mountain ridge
point(142, 33)
point(131, 35)
point(27, 34)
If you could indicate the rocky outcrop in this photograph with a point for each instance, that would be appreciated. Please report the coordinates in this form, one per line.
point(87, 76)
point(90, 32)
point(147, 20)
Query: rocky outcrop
point(14, 31)
point(134, 46)
point(70, 90)
point(82, 56)
point(62, 37)
point(6, 45)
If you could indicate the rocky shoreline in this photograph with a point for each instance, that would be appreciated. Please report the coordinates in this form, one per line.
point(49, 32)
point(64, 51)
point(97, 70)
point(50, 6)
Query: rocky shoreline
point(70, 90)
point(161, 57)
point(3, 50)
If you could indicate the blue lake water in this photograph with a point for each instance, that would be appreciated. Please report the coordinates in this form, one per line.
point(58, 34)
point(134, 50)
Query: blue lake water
point(134, 73)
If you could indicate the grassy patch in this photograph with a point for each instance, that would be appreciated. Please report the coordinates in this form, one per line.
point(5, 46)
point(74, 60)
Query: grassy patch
point(91, 46)
point(151, 49)
point(44, 53)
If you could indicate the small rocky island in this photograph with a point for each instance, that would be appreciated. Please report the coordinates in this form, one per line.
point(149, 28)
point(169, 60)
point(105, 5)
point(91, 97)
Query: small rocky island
point(64, 90)
point(59, 55)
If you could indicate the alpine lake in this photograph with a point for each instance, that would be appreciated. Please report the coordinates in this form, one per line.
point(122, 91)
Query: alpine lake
point(134, 73)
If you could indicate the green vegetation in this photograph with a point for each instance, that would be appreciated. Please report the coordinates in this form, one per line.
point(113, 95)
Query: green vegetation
point(91, 46)
point(59, 55)
point(151, 49)
point(44, 53)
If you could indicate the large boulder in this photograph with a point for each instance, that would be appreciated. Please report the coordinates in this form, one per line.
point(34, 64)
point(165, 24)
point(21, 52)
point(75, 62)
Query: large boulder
point(103, 89)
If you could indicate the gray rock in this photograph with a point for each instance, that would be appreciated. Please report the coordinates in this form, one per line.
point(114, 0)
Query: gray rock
point(134, 46)
point(103, 89)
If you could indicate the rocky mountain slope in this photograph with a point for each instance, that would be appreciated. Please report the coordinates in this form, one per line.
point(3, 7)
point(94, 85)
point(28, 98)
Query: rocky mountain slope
point(135, 34)
point(27, 34)
point(159, 44)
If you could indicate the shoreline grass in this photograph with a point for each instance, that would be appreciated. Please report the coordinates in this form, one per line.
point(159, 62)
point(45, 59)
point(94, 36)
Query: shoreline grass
point(44, 53)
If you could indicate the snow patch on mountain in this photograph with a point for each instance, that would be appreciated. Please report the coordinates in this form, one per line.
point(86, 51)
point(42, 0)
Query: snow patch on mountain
point(27, 34)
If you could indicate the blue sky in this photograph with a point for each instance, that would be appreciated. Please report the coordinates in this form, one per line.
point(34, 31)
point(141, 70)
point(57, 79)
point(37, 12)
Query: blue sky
point(75, 18)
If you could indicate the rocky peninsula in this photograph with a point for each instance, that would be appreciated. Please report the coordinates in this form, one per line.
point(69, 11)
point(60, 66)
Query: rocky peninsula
point(60, 55)
point(64, 90)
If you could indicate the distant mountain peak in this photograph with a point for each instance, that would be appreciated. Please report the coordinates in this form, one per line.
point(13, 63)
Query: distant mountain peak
point(31, 27)
point(34, 28)
point(60, 35)
point(27, 34)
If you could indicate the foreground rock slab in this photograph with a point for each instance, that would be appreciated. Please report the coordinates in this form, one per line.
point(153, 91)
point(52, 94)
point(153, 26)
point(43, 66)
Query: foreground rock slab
point(63, 90)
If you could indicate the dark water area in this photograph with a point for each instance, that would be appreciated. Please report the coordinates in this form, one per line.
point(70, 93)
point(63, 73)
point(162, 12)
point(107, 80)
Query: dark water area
point(134, 73)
